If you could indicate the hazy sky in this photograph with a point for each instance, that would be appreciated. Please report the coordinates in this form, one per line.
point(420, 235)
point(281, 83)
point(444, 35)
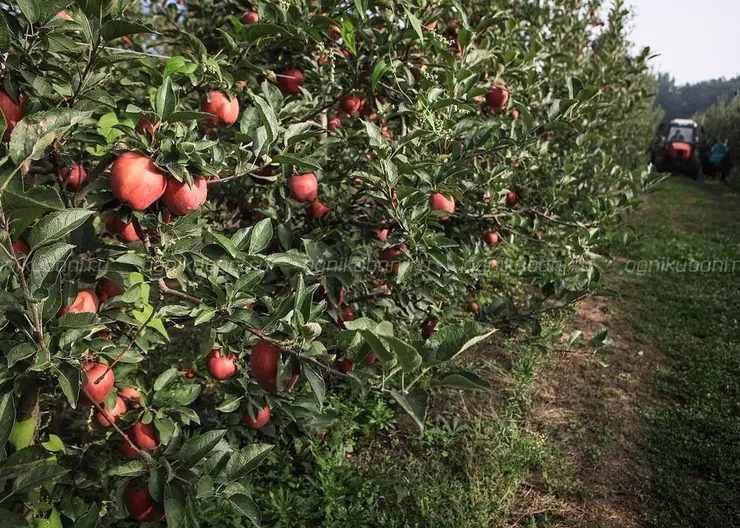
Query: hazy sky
point(696, 39)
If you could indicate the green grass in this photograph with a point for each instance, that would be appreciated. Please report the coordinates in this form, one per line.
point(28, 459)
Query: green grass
point(693, 432)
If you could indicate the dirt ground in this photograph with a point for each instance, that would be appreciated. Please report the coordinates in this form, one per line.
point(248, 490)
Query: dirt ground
point(585, 402)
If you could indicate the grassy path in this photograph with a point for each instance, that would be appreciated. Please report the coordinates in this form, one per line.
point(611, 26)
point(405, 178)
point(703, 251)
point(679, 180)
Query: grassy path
point(647, 433)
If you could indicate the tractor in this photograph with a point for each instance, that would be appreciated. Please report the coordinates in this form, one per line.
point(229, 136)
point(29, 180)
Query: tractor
point(678, 150)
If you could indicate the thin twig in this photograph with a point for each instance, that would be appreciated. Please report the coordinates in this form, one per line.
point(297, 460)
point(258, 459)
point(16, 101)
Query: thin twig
point(167, 290)
point(112, 423)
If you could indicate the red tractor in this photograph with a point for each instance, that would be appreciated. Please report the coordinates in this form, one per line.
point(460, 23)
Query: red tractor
point(678, 150)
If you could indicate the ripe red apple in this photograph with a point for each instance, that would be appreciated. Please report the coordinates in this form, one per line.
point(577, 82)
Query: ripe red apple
point(389, 253)
point(131, 394)
point(144, 436)
point(442, 203)
point(145, 127)
point(429, 328)
point(304, 187)
point(514, 114)
point(21, 246)
point(124, 232)
point(382, 234)
point(182, 199)
point(220, 367)
point(474, 307)
point(497, 96)
point(85, 302)
point(73, 176)
point(384, 289)
point(11, 111)
point(263, 363)
point(344, 366)
point(126, 450)
point(494, 263)
point(333, 123)
point(98, 391)
point(63, 15)
point(350, 104)
point(127, 41)
point(262, 418)
point(491, 238)
point(109, 289)
point(335, 32)
point(136, 181)
point(290, 81)
point(223, 109)
point(252, 17)
point(317, 210)
point(511, 198)
point(138, 501)
point(348, 314)
point(370, 358)
point(111, 415)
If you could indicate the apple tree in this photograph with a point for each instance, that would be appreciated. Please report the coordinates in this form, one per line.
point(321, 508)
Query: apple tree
point(215, 213)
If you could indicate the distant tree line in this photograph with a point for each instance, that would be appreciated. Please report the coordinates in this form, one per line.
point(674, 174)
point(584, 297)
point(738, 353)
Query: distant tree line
point(690, 100)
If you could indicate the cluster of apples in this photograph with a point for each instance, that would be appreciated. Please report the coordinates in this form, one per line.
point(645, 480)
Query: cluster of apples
point(305, 188)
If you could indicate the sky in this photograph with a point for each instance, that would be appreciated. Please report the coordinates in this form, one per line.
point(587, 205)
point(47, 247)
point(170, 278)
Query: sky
point(697, 39)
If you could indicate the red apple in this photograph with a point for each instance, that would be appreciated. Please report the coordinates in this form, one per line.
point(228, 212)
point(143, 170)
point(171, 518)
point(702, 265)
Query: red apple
point(491, 238)
point(100, 390)
point(220, 367)
point(318, 210)
point(497, 96)
point(321, 296)
point(73, 176)
point(144, 436)
point(124, 232)
point(131, 394)
point(11, 111)
point(304, 187)
point(182, 199)
point(345, 366)
point(511, 198)
point(263, 363)
point(382, 234)
point(262, 418)
point(126, 450)
point(290, 81)
point(85, 302)
point(139, 503)
point(136, 181)
point(514, 114)
point(474, 307)
point(441, 203)
point(370, 358)
point(223, 109)
point(108, 416)
point(429, 328)
point(109, 289)
point(348, 314)
point(350, 104)
point(389, 253)
point(252, 17)
point(333, 124)
point(21, 246)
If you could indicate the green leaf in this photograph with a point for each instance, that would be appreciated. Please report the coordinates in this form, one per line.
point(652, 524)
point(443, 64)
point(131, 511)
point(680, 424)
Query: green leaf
point(6, 37)
point(165, 378)
point(69, 380)
point(20, 352)
point(113, 29)
point(165, 99)
point(23, 432)
point(246, 460)
point(54, 445)
point(56, 225)
point(385, 356)
point(197, 447)
point(244, 505)
point(7, 417)
point(295, 161)
point(230, 404)
point(464, 380)
point(408, 356)
point(42, 10)
point(297, 132)
point(377, 139)
point(179, 64)
point(348, 35)
point(38, 199)
point(317, 385)
point(287, 260)
point(269, 119)
point(47, 260)
point(261, 236)
point(133, 468)
point(37, 477)
point(174, 505)
point(414, 24)
point(91, 519)
point(380, 68)
point(34, 133)
point(454, 340)
point(414, 403)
